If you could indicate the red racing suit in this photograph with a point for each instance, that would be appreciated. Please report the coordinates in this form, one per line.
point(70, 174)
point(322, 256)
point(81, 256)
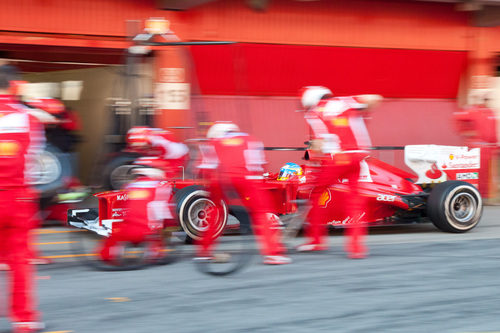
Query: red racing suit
point(148, 209)
point(343, 139)
point(233, 164)
point(21, 140)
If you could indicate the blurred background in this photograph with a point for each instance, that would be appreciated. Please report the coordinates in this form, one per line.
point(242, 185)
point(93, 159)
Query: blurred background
point(119, 63)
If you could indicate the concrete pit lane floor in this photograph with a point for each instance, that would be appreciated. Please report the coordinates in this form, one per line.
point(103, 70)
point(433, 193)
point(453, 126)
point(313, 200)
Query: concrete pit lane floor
point(416, 279)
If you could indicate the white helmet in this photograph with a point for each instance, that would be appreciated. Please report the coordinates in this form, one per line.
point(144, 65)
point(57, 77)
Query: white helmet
point(313, 94)
point(221, 128)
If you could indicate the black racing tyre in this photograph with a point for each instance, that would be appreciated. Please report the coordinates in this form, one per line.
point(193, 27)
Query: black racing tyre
point(194, 207)
point(86, 244)
point(230, 253)
point(117, 172)
point(51, 170)
point(454, 206)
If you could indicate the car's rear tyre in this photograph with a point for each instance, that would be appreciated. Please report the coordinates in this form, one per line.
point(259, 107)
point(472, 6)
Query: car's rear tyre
point(194, 207)
point(455, 206)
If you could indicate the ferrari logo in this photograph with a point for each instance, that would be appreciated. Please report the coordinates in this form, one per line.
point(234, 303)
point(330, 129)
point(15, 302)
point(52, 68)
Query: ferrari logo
point(451, 156)
point(138, 194)
point(9, 148)
point(340, 122)
point(232, 142)
point(324, 199)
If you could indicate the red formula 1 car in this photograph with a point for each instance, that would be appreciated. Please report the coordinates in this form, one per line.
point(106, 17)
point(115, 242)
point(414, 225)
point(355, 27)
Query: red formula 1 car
point(443, 194)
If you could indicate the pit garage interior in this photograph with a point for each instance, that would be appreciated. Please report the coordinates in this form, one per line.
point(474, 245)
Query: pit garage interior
point(87, 80)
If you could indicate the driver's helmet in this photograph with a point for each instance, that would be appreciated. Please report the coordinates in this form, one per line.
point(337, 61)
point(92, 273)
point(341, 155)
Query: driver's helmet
point(290, 170)
point(311, 95)
point(138, 137)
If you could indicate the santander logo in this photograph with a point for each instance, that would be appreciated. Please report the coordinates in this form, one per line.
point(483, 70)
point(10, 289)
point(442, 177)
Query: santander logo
point(433, 172)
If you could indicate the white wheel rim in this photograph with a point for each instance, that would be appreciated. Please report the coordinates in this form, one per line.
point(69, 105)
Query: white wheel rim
point(185, 223)
point(463, 207)
point(46, 170)
point(199, 213)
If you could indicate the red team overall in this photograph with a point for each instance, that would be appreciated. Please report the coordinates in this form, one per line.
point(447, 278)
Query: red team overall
point(148, 208)
point(149, 196)
point(21, 139)
point(234, 160)
point(340, 143)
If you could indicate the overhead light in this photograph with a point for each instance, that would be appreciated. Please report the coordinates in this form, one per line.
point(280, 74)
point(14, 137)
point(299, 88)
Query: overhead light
point(157, 26)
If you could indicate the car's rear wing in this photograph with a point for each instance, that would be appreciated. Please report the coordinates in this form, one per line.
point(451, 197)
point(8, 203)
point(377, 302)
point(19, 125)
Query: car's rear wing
point(436, 164)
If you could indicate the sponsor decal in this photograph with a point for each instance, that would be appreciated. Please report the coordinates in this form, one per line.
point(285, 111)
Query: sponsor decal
point(122, 197)
point(232, 142)
point(385, 197)
point(325, 198)
point(118, 212)
point(336, 222)
point(433, 172)
point(347, 220)
point(467, 175)
point(341, 122)
point(138, 194)
point(9, 148)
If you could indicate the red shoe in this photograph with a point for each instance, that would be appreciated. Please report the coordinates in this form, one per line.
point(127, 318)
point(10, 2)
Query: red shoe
point(356, 252)
point(312, 247)
point(277, 260)
point(27, 327)
point(356, 255)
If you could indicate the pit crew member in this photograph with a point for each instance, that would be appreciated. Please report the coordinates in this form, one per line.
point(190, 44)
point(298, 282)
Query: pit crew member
point(21, 140)
point(339, 143)
point(233, 161)
point(161, 143)
point(148, 210)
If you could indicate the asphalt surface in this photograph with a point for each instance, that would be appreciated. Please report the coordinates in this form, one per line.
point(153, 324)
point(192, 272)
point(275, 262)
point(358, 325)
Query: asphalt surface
point(416, 279)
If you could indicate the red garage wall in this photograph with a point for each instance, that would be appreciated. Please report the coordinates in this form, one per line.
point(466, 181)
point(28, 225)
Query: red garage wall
point(281, 70)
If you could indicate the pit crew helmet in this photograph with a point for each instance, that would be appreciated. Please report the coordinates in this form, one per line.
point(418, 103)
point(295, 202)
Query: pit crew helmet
point(221, 128)
point(311, 95)
point(289, 171)
point(49, 105)
point(138, 137)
